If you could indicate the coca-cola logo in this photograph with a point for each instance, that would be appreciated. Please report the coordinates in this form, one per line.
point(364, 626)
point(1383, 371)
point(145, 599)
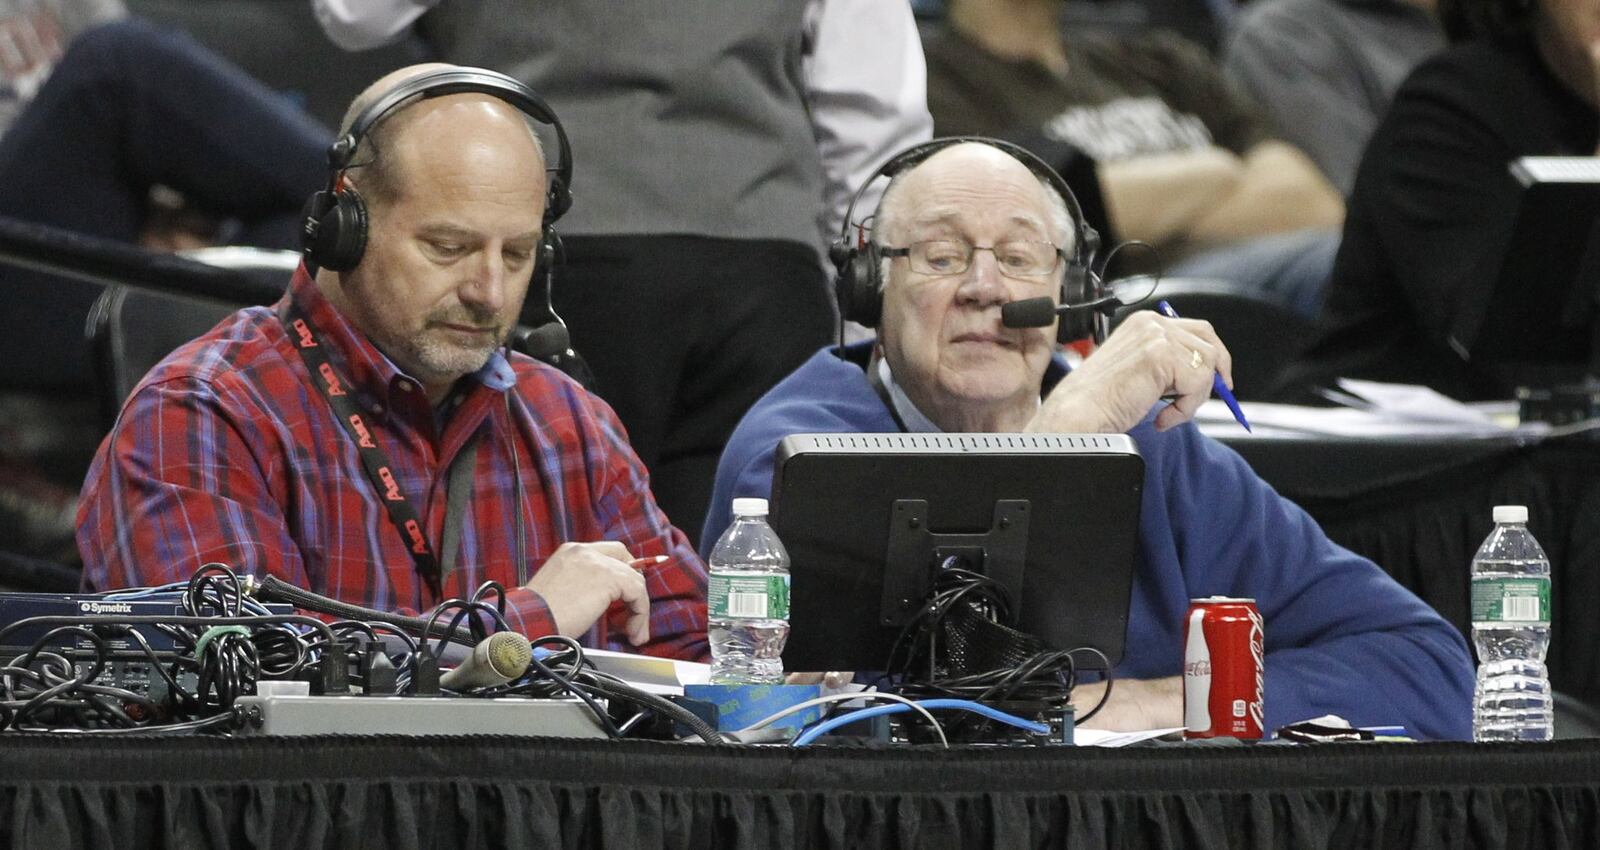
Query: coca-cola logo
point(1200, 667)
point(1258, 653)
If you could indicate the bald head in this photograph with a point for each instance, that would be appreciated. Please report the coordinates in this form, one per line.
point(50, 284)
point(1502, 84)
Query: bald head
point(965, 175)
point(408, 130)
point(456, 188)
point(941, 331)
point(385, 84)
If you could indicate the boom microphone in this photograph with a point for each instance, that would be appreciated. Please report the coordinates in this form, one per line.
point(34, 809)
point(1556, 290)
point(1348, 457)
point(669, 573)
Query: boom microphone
point(1041, 311)
point(551, 344)
point(496, 660)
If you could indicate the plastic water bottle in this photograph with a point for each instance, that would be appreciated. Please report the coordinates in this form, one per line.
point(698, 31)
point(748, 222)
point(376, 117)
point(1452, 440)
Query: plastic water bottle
point(748, 600)
point(1511, 630)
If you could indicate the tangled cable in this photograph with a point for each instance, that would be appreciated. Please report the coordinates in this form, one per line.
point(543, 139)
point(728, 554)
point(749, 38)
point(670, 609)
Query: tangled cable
point(75, 672)
point(565, 671)
point(959, 646)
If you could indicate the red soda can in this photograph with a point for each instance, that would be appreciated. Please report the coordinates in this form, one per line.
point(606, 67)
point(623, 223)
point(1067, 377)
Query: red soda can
point(1224, 669)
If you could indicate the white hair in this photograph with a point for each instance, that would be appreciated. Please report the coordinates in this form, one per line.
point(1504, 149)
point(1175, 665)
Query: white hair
point(893, 210)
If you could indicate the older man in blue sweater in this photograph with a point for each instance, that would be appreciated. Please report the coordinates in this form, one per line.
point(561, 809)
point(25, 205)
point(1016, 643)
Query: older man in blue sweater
point(1341, 637)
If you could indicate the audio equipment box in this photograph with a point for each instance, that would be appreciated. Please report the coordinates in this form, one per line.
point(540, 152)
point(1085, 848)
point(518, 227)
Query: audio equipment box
point(128, 665)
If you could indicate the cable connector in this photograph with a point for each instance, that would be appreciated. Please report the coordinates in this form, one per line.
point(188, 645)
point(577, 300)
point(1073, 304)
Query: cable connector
point(425, 673)
point(334, 675)
point(377, 671)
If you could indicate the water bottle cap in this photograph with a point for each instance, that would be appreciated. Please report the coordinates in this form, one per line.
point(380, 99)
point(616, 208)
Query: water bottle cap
point(1510, 513)
point(749, 507)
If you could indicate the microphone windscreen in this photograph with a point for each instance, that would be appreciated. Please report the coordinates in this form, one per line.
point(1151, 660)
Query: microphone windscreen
point(509, 654)
point(1028, 313)
point(496, 660)
point(543, 342)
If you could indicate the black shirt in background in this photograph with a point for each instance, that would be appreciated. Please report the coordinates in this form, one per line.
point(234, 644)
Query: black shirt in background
point(1430, 219)
point(1121, 96)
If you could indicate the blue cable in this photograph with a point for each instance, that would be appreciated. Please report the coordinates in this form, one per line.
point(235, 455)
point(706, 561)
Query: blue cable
point(174, 591)
point(143, 592)
point(833, 723)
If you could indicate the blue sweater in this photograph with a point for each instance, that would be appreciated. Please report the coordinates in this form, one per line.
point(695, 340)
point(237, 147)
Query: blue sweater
point(1342, 637)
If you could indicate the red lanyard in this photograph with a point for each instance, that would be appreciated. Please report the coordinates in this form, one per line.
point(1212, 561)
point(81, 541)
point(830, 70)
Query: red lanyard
point(373, 459)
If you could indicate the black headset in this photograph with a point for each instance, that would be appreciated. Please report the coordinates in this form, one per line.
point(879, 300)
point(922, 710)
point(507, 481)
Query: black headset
point(335, 228)
point(334, 232)
point(859, 262)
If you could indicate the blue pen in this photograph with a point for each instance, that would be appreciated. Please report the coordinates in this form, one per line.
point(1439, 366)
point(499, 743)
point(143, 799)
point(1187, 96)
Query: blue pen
point(1216, 377)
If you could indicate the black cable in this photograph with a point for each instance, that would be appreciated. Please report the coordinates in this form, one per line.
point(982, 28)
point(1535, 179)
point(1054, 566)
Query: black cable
point(601, 716)
point(208, 578)
point(282, 653)
point(499, 592)
point(271, 589)
point(475, 630)
point(583, 674)
point(960, 595)
point(200, 725)
point(226, 669)
point(171, 619)
point(69, 692)
point(618, 689)
point(464, 609)
point(564, 680)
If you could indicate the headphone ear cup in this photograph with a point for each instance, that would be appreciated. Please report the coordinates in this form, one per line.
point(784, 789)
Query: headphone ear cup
point(858, 287)
point(537, 309)
point(317, 206)
point(1076, 286)
point(341, 233)
point(547, 249)
point(558, 199)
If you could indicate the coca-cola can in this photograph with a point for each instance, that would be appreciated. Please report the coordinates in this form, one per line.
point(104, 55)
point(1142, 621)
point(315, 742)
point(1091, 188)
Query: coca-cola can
point(1224, 669)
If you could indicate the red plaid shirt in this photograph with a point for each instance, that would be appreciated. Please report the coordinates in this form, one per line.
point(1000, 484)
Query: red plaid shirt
point(227, 452)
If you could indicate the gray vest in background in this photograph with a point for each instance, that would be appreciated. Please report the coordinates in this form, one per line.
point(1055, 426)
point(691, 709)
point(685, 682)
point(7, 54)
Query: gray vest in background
point(686, 116)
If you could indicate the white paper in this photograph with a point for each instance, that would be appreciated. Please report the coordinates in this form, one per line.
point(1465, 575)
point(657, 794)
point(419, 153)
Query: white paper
point(1099, 738)
point(1270, 421)
point(657, 675)
point(1413, 403)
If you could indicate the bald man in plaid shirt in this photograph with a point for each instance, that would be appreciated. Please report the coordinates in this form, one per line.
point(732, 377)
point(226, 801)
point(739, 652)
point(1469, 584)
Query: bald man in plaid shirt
point(281, 441)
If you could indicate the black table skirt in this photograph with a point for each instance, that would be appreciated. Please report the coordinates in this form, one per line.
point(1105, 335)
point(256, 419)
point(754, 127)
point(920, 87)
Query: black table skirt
point(1421, 508)
point(486, 792)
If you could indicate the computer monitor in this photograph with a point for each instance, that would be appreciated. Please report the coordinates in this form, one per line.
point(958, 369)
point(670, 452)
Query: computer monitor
point(1536, 324)
point(868, 518)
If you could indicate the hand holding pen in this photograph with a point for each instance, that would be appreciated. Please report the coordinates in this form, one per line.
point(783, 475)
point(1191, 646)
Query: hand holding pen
point(1148, 359)
point(1219, 386)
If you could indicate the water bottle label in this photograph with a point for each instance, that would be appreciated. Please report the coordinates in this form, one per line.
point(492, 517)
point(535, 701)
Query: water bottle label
point(1511, 600)
point(755, 597)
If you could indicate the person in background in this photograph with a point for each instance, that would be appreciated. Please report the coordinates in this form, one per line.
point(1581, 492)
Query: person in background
point(1434, 206)
point(369, 437)
point(1185, 162)
point(1325, 70)
point(143, 136)
point(970, 229)
point(33, 36)
point(718, 140)
point(127, 132)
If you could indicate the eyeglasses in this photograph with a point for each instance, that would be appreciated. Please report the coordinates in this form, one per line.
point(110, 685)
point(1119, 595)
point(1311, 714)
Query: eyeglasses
point(1022, 259)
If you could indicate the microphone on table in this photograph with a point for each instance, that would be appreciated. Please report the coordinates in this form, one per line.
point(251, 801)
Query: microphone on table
point(1041, 311)
point(496, 660)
